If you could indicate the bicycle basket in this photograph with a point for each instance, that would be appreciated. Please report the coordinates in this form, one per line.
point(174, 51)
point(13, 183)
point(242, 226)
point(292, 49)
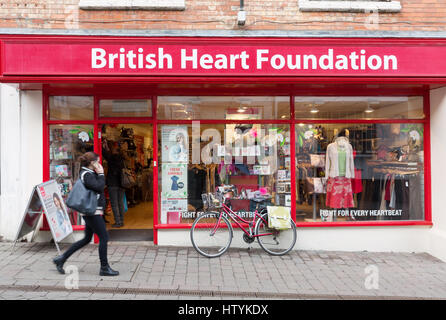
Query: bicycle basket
point(211, 201)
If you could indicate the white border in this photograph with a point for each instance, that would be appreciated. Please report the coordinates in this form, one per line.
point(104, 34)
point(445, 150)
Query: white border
point(349, 6)
point(132, 4)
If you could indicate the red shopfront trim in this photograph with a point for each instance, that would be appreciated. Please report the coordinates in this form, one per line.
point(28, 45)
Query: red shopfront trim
point(322, 224)
point(32, 56)
point(105, 86)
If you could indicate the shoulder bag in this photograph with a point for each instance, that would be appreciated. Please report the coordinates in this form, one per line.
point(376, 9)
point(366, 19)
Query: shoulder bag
point(82, 199)
point(127, 179)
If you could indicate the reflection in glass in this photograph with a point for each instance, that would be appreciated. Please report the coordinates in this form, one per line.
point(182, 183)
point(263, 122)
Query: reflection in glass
point(71, 108)
point(223, 108)
point(109, 108)
point(359, 107)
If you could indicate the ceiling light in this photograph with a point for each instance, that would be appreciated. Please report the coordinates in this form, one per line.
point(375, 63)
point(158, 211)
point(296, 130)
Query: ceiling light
point(314, 110)
point(369, 109)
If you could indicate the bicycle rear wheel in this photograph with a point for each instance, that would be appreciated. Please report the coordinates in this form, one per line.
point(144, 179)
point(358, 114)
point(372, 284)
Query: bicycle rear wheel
point(210, 238)
point(275, 242)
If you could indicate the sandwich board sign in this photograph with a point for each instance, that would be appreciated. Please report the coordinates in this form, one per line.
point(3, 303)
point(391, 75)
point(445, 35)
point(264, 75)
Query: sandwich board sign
point(46, 198)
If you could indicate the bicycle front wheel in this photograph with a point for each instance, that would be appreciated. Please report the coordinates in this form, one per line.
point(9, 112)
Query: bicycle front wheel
point(275, 242)
point(209, 236)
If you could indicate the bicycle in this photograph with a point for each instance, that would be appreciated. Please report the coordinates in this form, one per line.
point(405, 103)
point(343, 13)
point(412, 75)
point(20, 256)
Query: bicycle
point(211, 233)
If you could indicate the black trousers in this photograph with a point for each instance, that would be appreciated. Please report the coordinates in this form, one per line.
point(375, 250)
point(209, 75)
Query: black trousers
point(93, 224)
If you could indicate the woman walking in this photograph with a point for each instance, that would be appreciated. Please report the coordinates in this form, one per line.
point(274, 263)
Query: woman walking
point(92, 176)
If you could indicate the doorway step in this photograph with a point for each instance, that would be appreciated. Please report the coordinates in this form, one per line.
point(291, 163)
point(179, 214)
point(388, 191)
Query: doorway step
point(131, 234)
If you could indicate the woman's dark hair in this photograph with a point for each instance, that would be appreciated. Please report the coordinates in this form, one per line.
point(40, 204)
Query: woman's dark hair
point(87, 158)
point(342, 133)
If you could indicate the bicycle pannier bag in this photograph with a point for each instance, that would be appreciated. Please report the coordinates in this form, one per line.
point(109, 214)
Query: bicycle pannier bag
point(279, 217)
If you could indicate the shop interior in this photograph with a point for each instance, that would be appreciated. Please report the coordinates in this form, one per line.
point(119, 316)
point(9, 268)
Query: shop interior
point(134, 144)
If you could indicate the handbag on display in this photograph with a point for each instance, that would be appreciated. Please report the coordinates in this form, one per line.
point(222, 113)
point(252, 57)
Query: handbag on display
point(127, 179)
point(316, 185)
point(320, 185)
point(81, 199)
point(317, 160)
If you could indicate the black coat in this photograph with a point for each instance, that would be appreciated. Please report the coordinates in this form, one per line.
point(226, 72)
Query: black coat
point(95, 182)
point(115, 164)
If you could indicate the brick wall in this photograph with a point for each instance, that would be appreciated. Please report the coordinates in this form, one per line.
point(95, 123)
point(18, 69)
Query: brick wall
point(419, 15)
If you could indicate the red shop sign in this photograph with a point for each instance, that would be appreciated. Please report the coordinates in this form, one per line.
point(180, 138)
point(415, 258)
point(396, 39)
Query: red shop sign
point(193, 58)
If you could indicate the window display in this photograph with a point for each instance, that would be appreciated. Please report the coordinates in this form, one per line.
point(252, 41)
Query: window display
point(357, 158)
point(197, 159)
point(67, 143)
point(349, 172)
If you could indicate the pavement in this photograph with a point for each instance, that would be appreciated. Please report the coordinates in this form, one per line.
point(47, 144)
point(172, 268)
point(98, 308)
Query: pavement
point(175, 273)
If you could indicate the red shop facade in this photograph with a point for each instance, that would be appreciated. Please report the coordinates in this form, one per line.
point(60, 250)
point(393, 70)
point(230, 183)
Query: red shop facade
point(193, 114)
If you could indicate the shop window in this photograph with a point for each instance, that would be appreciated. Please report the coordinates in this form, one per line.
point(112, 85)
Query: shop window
point(223, 108)
point(67, 143)
point(198, 158)
point(359, 107)
point(357, 172)
point(111, 108)
point(71, 108)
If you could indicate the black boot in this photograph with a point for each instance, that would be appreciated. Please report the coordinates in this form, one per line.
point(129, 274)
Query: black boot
point(106, 270)
point(59, 261)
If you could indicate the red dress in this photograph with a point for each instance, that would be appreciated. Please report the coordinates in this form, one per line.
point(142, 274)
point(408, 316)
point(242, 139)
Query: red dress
point(339, 193)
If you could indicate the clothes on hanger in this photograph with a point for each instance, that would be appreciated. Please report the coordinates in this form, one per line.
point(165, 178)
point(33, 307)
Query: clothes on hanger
point(394, 188)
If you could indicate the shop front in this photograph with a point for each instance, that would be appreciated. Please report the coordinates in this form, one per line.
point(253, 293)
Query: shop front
point(338, 130)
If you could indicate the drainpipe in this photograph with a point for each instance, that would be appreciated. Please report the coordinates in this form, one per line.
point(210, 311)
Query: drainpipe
point(241, 16)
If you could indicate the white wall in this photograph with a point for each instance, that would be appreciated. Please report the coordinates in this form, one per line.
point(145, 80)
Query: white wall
point(437, 235)
point(376, 239)
point(21, 153)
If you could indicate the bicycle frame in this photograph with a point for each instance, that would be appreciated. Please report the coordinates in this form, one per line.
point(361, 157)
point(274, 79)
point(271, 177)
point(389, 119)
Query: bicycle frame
point(236, 218)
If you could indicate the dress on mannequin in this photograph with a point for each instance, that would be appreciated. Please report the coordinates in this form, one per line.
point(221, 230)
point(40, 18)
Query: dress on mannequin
point(339, 169)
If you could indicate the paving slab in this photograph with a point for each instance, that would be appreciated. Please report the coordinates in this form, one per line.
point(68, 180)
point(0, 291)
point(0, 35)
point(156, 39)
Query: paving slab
point(176, 272)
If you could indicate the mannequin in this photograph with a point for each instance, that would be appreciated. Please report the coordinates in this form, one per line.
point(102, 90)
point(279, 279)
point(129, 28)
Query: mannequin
point(339, 170)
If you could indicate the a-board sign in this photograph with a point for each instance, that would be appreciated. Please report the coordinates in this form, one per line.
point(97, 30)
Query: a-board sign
point(46, 198)
point(31, 217)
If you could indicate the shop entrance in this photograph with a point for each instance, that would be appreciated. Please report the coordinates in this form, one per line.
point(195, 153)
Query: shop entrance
point(128, 148)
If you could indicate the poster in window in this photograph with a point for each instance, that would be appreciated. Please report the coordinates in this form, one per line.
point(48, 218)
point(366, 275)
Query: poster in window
point(175, 144)
point(173, 210)
point(174, 181)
